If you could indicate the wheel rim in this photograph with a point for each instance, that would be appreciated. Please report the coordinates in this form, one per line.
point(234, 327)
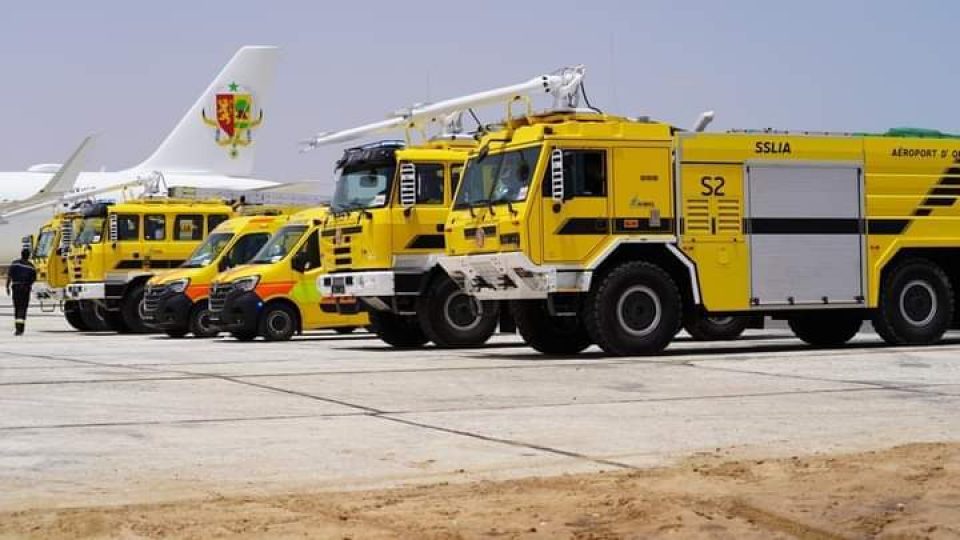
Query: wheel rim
point(203, 322)
point(461, 311)
point(639, 311)
point(918, 303)
point(278, 322)
point(720, 321)
point(142, 308)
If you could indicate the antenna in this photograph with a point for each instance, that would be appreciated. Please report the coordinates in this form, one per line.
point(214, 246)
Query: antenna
point(563, 85)
point(703, 121)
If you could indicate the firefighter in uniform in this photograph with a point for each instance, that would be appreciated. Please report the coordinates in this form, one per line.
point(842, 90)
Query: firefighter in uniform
point(20, 278)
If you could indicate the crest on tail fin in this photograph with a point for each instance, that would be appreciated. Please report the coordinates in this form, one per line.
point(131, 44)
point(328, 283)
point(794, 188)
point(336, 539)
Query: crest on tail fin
point(237, 115)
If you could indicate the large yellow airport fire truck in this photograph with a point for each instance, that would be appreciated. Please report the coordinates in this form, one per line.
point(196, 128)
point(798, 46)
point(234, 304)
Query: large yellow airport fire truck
point(385, 231)
point(177, 301)
point(275, 295)
point(607, 230)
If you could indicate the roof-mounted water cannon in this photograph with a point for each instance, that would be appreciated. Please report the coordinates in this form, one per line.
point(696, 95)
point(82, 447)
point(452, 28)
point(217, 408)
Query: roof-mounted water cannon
point(565, 86)
point(703, 121)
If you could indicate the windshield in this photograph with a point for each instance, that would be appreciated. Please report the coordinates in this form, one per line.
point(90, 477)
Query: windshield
point(44, 243)
point(363, 186)
point(208, 251)
point(91, 232)
point(497, 178)
point(279, 244)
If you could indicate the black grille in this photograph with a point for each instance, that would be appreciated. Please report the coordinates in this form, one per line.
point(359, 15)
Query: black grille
point(151, 298)
point(218, 296)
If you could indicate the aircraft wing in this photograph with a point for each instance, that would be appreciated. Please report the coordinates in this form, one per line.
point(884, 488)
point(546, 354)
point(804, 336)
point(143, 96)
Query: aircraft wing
point(61, 184)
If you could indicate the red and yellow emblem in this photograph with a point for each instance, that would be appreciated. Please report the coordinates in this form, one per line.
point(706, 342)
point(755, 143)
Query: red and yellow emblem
point(236, 117)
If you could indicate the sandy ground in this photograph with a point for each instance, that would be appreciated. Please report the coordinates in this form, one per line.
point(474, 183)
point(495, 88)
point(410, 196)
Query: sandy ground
point(910, 491)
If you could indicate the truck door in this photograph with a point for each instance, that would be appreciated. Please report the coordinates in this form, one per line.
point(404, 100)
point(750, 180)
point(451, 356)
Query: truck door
point(128, 248)
point(574, 229)
point(423, 222)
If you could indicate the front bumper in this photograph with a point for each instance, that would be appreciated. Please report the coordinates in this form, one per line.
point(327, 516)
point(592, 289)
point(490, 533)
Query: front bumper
point(511, 276)
point(167, 310)
point(357, 284)
point(44, 293)
point(235, 311)
point(86, 291)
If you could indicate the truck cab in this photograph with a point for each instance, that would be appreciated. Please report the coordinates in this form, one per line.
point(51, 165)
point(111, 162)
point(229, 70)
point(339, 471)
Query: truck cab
point(274, 295)
point(382, 237)
point(119, 246)
point(177, 301)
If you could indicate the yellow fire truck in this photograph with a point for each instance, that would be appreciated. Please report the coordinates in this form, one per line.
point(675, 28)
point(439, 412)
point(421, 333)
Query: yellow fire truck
point(177, 301)
point(608, 230)
point(385, 230)
point(274, 295)
point(121, 245)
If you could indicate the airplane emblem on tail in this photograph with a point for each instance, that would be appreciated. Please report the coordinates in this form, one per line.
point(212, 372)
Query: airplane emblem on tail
point(234, 123)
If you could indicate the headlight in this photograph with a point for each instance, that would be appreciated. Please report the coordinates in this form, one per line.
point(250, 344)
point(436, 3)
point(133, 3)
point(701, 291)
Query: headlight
point(247, 283)
point(178, 286)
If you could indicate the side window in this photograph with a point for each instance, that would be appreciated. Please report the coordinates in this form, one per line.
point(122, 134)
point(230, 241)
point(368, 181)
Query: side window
point(455, 173)
point(188, 227)
point(312, 248)
point(245, 248)
point(215, 219)
point(429, 184)
point(128, 227)
point(155, 227)
point(584, 174)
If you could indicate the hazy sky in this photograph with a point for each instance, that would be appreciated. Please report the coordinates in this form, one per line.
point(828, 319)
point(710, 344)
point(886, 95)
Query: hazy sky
point(130, 69)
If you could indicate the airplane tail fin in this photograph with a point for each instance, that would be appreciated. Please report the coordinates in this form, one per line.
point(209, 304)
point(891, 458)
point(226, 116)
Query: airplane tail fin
point(65, 178)
point(218, 135)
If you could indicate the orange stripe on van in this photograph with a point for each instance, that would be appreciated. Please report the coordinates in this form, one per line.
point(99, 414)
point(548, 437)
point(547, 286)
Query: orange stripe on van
point(196, 292)
point(266, 290)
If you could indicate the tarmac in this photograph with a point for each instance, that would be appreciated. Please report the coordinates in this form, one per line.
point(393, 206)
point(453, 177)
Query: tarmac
point(91, 419)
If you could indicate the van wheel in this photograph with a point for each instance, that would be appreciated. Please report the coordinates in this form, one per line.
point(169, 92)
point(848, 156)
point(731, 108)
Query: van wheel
point(244, 336)
point(71, 311)
point(344, 330)
point(634, 310)
point(200, 325)
point(547, 333)
point(453, 318)
point(94, 316)
point(131, 311)
point(176, 333)
point(826, 329)
point(705, 328)
point(400, 331)
point(278, 323)
point(916, 304)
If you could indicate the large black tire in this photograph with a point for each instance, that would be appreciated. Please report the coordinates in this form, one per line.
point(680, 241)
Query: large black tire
point(402, 332)
point(176, 333)
point(71, 312)
point(94, 316)
point(452, 318)
point(916, 304)
point(131, 310)
point(705, 328)
point(278, 322)
point(114, 320)
point(635, 309)
point(546, 333)
point(826, 328)
point(199, 324)
point(244, 336)
point(344, 330)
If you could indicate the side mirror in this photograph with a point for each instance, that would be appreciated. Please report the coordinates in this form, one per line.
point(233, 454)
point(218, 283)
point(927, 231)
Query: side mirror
point(408, 185)
point(299, 261)
point(556, 175)
point(113, 228)
point(224, 263)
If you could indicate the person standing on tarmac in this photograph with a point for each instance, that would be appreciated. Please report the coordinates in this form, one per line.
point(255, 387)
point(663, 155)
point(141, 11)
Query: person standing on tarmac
point(20, 278)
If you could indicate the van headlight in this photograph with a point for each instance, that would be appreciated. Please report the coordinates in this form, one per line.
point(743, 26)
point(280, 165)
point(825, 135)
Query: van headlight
point(178, 286)
point(246, 284)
